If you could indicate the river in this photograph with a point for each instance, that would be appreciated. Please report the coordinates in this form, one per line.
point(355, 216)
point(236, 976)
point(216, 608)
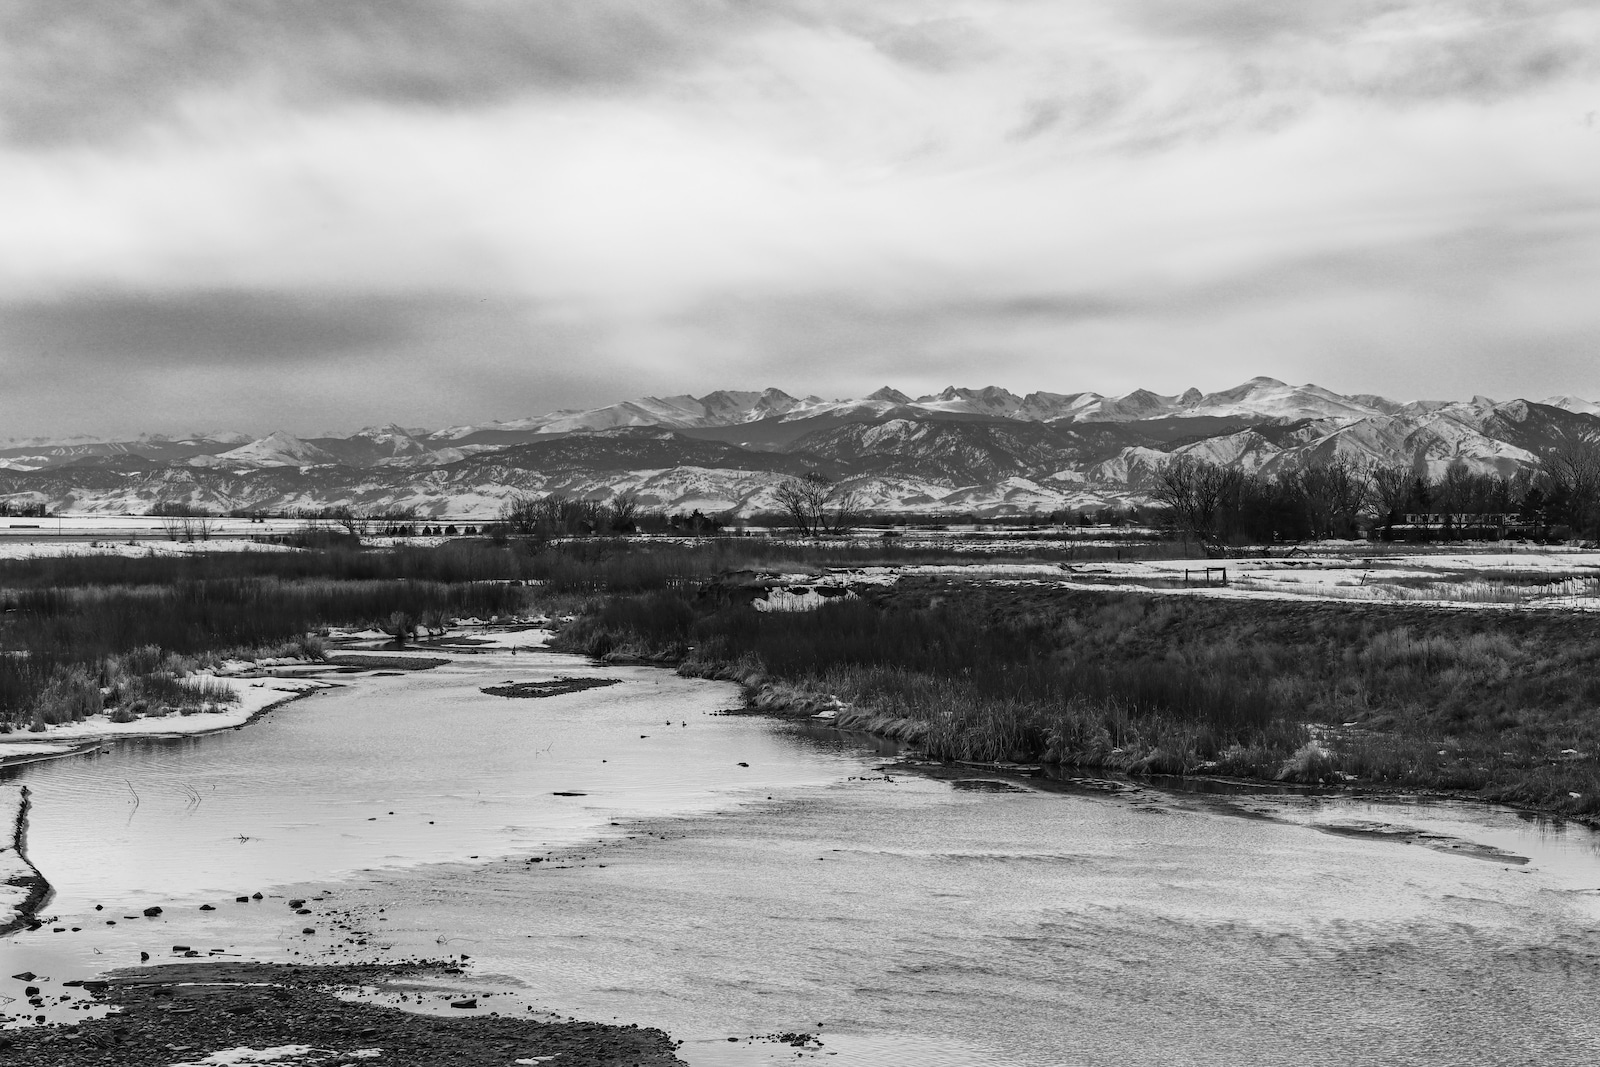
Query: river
point(732, 877)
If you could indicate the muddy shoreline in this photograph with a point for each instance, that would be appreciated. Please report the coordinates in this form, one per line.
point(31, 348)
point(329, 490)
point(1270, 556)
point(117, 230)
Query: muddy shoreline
point(39, 889)
point(187, 1012)
point(790, 704)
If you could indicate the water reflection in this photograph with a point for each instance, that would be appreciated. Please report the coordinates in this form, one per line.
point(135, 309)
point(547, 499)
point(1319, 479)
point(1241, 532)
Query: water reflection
point(898, 917)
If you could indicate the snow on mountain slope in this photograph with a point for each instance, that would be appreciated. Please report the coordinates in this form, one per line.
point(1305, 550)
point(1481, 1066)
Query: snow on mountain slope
point(1247, 451)
point(1134, 406)
point(861, 410)
point(1573, 403)
point(720, 408)
point(1270, 398)
point(984, 450)
point(990, 400)
point(1043, 407)
point(277, 449)
point(1132, 467)
point(730, 407)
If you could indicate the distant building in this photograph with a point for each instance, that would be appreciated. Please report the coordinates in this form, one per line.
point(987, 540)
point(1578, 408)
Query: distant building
point(1461, 526)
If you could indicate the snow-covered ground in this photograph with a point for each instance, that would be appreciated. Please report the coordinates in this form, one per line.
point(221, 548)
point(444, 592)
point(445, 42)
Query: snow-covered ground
point(283, 1056)
point(255, 696)
point(108, 524)
point(1523, 578)
point(1563, 579)
point(477, 633)
point(11, 548)
point(532, 637)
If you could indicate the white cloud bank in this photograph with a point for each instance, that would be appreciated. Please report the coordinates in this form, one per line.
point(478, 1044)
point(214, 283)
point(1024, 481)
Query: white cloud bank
point(435, 212)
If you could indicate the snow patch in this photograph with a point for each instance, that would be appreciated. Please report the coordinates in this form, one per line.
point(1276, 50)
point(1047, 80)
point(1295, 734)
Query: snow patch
point(804, 599)
point(245, 1054)
point(255, 696)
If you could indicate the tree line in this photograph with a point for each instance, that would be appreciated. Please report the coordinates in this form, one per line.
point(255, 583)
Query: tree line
point(1217, 505)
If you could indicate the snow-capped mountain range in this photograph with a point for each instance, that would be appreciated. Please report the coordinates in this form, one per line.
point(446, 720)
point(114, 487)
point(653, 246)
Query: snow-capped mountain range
point(979, 451)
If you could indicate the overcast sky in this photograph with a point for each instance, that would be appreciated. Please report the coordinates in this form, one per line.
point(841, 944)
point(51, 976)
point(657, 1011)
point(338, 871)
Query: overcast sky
point(310, 214)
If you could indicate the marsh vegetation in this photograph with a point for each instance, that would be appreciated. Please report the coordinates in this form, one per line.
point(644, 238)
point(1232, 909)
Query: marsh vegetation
point(65, 621)
point(1501, 705)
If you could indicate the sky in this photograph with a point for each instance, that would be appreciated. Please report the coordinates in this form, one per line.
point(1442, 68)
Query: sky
point(306, 215)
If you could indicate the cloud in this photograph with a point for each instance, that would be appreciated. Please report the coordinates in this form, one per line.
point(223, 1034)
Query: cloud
point(259, 360)
point(95, 68)
point(422, 205)
point(163, 330)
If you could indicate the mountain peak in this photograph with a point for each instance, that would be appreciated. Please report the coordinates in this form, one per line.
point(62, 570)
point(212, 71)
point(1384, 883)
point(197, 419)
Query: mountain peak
point(891, 394)
point(278, 449)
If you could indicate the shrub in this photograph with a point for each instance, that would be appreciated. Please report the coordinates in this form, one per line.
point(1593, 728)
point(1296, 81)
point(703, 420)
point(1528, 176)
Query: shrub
point(70, 696)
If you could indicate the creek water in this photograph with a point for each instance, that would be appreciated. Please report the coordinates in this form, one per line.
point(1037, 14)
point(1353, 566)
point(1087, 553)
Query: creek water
point(729, 879)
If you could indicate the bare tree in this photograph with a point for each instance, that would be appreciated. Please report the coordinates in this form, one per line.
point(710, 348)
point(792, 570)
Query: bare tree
point(558, 515)
point(1334, 494)
point(805, 499)
point(1575, 482)
point(846, 509)
point(355, 523)
point(1195, 492)
point(1391, 491)
point(623, 513)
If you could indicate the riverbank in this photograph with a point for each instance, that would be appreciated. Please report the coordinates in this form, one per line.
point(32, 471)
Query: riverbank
point(1491, 705)
point(210, 1014)
point(255, 697)
point(970, 913)
point(23, 890)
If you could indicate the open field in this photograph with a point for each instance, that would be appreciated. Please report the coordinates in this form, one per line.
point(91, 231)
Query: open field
point(1530, 578)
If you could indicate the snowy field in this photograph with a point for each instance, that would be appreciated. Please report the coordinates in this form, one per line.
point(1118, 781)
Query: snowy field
point(140, 526)
point(1524, 578)
point(131, 548)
